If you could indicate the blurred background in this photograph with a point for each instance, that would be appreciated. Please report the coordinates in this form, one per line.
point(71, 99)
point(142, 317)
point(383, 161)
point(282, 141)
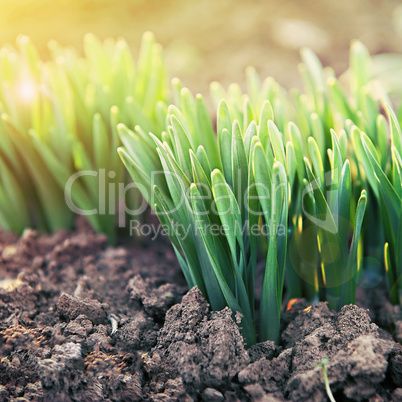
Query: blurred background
point(208, 40)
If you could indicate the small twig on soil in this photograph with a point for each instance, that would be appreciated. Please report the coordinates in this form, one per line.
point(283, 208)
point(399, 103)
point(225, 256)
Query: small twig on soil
point(80, 289)
point(114, 321)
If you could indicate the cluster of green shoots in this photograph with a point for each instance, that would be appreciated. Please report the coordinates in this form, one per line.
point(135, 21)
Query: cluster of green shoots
point(309, 182)
point(287, 176)
point(59, 117)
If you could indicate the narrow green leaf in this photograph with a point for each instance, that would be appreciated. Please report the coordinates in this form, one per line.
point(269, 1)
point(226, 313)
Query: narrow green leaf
point(390, 196)
point(182, 145)
point(313, 65)
point(225, 150)
point(291, 163)
point(298, 147)
point(229, 212)
point(100, 142)
point(382, 139)
point(316, 161)
point(224, 120)
point(318, 133)
point(277, 142)
point(239, 168)
point(206, 130)
point(266, 114)
point(251, 132)
point(396, 133)
point(263, 181)
point(248, 114)
point(359, 65)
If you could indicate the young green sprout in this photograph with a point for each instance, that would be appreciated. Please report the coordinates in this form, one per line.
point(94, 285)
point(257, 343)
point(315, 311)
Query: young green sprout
point(295, 159)
point(323, 363)
point(214, 188)
point(285, 176)
point(331, 221)
point(58, 128)
point(387, 188)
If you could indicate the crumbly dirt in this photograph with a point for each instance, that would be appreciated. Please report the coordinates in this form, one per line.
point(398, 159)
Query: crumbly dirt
point(82, 321)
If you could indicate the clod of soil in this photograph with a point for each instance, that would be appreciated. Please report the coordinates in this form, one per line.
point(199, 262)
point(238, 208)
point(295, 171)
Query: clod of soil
point(155, 301)
point(204, 348)
point(360, 355)
point(71, 307)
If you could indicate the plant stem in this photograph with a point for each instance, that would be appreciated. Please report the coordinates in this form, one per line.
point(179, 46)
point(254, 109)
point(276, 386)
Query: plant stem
point(326, 382)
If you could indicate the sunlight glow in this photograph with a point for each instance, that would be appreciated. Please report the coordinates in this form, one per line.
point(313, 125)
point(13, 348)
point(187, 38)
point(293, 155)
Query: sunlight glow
point(27, 90)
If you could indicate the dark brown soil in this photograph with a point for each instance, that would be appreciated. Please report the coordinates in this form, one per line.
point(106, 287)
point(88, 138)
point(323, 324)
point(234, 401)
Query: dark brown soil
point(81, 321)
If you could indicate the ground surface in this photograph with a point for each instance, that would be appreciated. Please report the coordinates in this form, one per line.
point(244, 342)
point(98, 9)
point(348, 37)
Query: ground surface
point(82, 321)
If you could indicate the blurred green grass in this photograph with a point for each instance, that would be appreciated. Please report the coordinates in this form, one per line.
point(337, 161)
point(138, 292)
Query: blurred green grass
point(209, 40)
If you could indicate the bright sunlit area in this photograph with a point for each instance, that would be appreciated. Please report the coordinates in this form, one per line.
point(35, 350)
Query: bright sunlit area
point(211, 40)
